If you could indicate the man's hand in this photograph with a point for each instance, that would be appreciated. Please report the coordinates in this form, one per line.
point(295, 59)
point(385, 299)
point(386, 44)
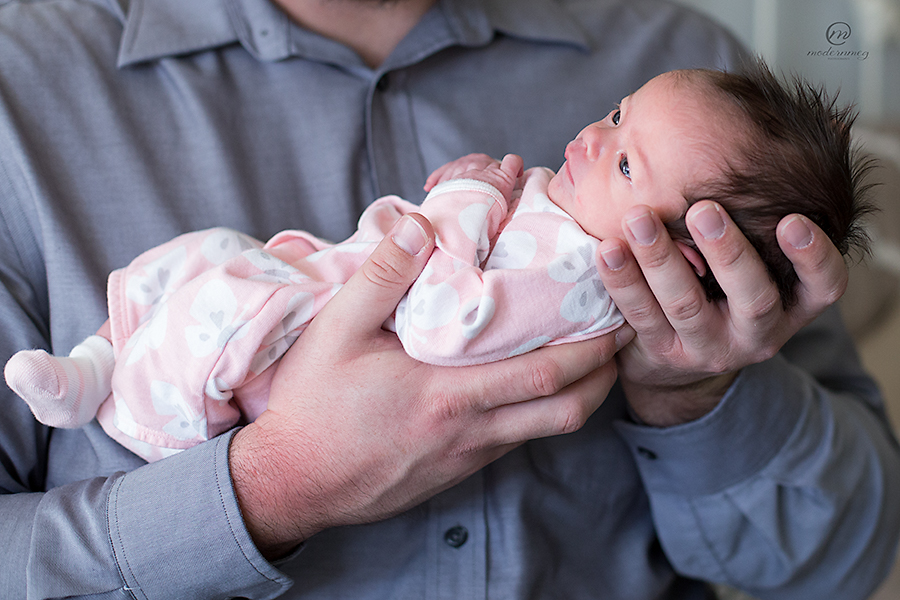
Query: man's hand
point(688, 350)
point(356, 430)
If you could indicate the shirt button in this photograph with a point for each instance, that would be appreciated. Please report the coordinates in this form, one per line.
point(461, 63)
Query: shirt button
point(383, 83)
point(646, 453)
point(456, 536)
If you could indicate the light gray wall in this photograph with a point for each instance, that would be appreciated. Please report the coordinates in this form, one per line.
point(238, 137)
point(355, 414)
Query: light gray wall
point(791, 36)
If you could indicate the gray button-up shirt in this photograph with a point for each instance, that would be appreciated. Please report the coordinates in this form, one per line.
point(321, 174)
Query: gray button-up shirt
point(124, 123)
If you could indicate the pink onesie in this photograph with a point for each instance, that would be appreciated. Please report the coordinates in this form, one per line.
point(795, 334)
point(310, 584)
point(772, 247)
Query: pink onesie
point(199, 322)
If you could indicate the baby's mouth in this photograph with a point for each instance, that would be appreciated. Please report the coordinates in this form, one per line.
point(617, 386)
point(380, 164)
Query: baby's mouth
point(569, 174)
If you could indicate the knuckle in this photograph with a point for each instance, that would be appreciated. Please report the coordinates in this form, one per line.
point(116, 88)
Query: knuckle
point(766, 352)
point(686, 307)
point(721, 363)
point(834, 292)
point(466, 450)
point(383, 272)
point(572, 417)
point(642, 311)
point(764, 304)
point(833, 295)
point(655, 258)
point(730, 256)
point(546, 379)
point(730, 358)
point(445, 408)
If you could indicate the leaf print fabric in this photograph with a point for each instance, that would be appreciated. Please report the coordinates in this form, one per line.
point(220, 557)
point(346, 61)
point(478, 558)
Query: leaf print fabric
point(223, 244)
point(539, 283)
point(575, 264)
point(212, 311)
point(159, 278)
point(168, 400)
point(214, 308)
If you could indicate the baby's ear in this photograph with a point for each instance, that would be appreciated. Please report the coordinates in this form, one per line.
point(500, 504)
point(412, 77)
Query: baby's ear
point(693, 257)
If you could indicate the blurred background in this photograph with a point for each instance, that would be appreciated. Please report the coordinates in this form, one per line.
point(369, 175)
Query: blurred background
point(852, 46)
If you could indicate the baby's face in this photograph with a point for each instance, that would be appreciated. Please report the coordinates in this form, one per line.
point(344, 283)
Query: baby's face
point(663, 138)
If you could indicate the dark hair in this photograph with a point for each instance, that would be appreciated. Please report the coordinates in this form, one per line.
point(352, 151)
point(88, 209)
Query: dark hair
point(795, 156)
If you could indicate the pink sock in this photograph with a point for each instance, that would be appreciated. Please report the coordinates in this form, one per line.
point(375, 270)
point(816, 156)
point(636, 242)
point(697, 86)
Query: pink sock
point(63, 391)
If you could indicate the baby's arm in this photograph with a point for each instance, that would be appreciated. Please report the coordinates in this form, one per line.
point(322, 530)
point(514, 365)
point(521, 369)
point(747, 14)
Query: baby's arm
point(468, 203)
point(538, 287)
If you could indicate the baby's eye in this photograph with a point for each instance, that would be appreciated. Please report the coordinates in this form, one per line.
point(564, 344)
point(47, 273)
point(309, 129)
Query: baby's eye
point(623, 166)
point(616, 116)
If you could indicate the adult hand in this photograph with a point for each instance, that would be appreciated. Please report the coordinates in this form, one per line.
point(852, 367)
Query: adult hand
point(688, 350)
point(357, 431)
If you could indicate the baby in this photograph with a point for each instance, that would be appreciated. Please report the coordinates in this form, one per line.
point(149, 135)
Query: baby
point(198, 324)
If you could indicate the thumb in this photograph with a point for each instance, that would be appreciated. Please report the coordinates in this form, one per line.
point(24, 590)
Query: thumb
point(372, 293)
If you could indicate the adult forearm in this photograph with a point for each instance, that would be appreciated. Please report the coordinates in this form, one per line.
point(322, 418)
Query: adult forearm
point(786, 490)
point(136, 531)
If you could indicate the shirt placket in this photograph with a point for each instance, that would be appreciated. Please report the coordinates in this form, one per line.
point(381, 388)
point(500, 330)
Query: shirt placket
point(456, 527)
point(456, 561)
point(395, 158)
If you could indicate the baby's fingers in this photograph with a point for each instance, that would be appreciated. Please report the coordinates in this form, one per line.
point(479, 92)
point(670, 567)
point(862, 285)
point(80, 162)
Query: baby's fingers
point(455, 168)
point(513, 165)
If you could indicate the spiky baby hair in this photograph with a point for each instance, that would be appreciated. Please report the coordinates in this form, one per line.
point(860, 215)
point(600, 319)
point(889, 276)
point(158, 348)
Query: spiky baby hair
point(793, 153)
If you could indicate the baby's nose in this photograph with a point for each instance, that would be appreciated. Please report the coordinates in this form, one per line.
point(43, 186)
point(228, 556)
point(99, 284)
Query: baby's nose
point(593, 137)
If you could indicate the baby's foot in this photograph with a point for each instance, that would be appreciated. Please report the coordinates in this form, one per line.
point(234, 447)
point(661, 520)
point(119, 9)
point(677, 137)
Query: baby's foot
point(63, 391)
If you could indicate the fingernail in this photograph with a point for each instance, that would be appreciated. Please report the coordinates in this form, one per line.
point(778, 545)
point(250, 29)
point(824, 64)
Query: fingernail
point(624, 336)
point(409, 236)
point(709, 222)
point(643, 229)
point(614, 258)
point(797, 233)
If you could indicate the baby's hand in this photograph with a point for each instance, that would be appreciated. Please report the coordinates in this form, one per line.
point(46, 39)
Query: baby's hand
point(502, 175)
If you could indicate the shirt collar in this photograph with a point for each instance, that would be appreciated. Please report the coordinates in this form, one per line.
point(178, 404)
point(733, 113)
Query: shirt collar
point(160, 28)
point(156, 29)
point(539, 20)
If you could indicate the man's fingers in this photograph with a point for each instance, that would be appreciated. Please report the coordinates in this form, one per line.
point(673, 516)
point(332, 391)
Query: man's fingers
point(625, 282)
point(667, 272)
point(562, 387)
point(659, 294)
point(817, 262)
point(370, 296)
point(563, 412)
point(540, 373)
point(752, 295)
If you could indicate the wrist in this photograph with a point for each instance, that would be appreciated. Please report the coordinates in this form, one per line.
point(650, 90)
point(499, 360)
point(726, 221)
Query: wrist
point(670, 405)
point(260, 474)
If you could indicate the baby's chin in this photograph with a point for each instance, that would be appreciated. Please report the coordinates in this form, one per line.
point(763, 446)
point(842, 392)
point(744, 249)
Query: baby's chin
point(556, 191)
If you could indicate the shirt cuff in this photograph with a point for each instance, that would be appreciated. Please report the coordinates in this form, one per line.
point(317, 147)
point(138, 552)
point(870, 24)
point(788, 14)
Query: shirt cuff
point(177, 531)
point(730, 444)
